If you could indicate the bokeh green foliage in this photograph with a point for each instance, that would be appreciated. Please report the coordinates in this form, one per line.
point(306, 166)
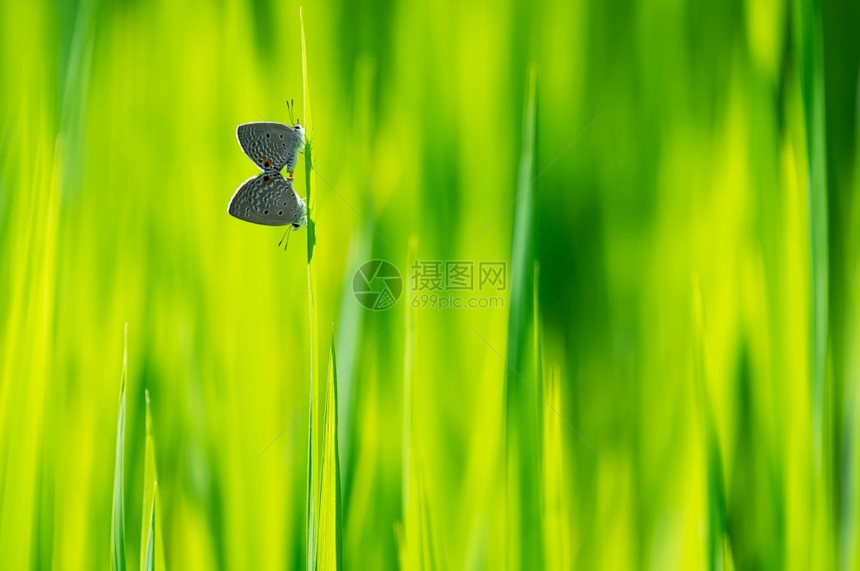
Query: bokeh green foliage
point(695, 319)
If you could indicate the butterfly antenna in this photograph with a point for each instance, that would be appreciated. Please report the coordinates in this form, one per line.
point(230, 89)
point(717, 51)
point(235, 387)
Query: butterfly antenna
point(290, 104)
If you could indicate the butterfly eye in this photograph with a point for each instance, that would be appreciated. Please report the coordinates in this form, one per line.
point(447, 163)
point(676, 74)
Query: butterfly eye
point(295, 225)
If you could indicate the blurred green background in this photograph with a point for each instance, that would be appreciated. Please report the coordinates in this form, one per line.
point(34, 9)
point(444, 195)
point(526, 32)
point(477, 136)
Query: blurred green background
point(693, 333)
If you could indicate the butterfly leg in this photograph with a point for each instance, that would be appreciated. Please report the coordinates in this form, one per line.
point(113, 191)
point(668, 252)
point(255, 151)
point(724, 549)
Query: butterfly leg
point(287, 236)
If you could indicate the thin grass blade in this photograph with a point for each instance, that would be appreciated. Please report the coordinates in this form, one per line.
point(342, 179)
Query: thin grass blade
point(118, 560)
point(149, 551)
point(312, 512)
point(329, 554)
point(150, 499)
point(522, 432)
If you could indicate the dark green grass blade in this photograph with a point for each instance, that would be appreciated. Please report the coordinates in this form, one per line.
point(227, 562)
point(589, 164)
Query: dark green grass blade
point(809, 46)
point(522, 437)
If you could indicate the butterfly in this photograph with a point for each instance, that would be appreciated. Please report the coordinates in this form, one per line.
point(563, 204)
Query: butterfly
point(269, 198)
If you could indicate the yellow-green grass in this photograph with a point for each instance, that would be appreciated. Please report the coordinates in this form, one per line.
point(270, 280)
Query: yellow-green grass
point(672, 143)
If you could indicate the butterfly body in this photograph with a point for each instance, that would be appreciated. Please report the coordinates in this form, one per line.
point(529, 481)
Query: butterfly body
point(269, 198)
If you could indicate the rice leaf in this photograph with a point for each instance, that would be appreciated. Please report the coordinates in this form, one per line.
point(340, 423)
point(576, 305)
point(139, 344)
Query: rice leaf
point(556, 540)
point(118, 561)
point(329, 550)
point(414, 533)
point(150, 498)
point(351, 315)
point(427, 554)
point(522, 436)
point(807, 21)
point(309, 178)
point(149, 478)
point(717, 538)
point(148, 548)
point(408, 378)
point(557, 544)
point(312, 512)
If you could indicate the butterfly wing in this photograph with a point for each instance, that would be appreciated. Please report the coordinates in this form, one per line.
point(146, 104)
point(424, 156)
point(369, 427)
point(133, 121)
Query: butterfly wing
point(272, 146)
point(268, 199)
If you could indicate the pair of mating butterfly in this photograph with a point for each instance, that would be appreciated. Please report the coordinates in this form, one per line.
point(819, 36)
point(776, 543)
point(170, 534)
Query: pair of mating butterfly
point(269, 198)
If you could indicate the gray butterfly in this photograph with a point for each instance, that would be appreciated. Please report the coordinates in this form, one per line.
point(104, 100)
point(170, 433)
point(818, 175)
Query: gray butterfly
point(272, 146)
point(269, 198)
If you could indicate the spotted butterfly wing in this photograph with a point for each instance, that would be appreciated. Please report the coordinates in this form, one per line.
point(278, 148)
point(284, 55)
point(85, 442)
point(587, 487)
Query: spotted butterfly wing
point(268, 199)
point(272, 146)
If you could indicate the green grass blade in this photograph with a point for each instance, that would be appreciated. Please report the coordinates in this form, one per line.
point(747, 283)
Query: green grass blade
point(148, 548)
point(150, 499)
point(807, 21)
point(522, 438)
point(556, 527)
point(557, 532)
point(329, 550)
point(537, 341)
point(309, 178)
point(312, 512)
point(427, 555)
point(813, 87)
point(149, 478)
point(350, 320)
point(718, 555)
point(117, 548)
point(352, 315)
point(414, 532)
